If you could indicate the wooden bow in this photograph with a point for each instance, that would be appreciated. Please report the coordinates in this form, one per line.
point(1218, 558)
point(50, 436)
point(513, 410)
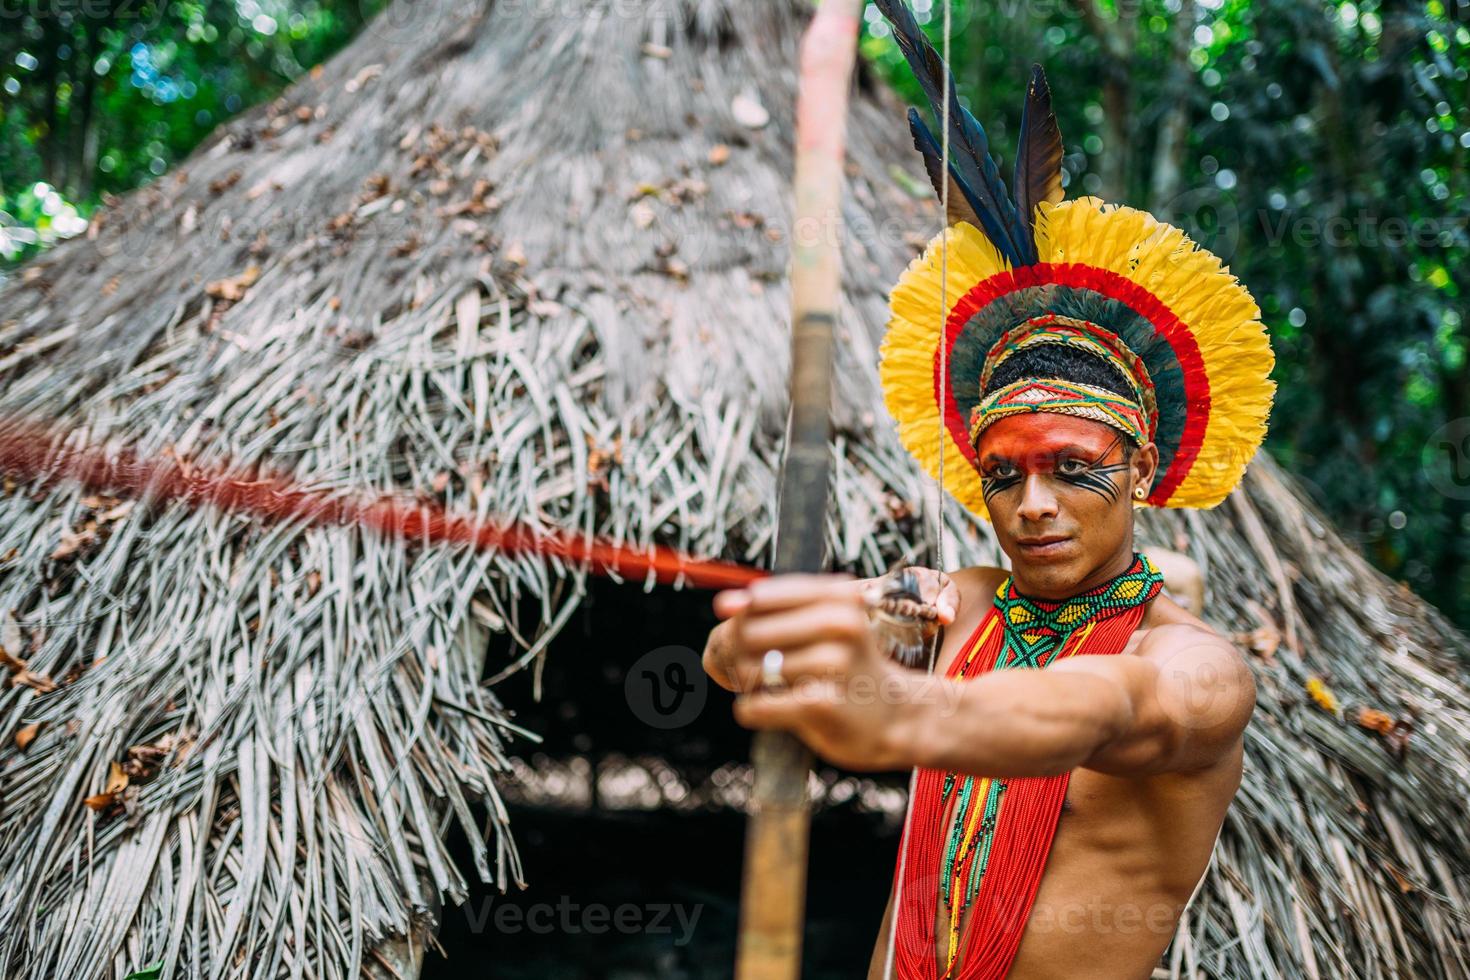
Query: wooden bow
point(774, 890)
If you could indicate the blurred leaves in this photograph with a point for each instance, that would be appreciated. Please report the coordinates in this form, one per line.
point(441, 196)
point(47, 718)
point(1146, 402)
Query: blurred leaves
point(99, 96)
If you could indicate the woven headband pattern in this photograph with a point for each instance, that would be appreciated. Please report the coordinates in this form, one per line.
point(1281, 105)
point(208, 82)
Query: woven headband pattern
point(1065, 398)
point(1134, 417)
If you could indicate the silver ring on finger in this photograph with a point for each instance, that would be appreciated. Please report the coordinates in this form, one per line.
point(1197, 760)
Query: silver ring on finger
point(771, 665)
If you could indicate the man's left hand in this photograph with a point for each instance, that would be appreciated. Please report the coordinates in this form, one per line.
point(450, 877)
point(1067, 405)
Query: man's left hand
point(851, 705)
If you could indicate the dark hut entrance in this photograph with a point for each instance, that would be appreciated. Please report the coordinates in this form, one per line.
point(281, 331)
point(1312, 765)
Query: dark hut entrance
point(629, 822)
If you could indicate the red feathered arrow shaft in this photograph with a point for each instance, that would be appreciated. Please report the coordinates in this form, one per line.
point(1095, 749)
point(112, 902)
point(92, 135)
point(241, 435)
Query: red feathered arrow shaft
point(30, 453)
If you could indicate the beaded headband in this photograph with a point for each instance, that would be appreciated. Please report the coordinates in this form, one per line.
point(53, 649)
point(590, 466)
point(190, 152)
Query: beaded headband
point(1133, 416)
point(1065, 398)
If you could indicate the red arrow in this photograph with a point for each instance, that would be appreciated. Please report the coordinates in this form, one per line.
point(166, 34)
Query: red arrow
point(30, 453)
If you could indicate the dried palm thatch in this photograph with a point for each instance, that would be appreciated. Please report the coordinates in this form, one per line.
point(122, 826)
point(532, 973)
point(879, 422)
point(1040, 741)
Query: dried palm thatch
point(526, 258)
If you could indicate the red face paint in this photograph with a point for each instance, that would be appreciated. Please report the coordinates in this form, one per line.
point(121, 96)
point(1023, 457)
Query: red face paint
point(1059, 489)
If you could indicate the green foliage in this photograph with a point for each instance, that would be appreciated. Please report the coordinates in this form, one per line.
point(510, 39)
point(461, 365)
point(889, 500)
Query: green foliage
point(147, 973)
point(1325, 159)
point(99, 96)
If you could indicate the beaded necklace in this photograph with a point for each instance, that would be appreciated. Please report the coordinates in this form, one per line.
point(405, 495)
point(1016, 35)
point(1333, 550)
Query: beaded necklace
point(1019, 632)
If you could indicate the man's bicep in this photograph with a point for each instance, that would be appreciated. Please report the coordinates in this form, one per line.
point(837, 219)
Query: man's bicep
point(1190, 696)
point(1202, 696)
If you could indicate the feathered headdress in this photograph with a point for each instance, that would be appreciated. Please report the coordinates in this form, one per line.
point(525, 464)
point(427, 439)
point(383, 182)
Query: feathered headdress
point(1111, 281)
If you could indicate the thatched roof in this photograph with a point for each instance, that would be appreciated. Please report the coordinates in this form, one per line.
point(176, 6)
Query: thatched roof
point(528, 259)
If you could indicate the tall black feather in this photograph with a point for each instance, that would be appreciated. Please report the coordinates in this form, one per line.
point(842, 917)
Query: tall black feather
point(959, 200)
point(969, 162)
point(1038, 175)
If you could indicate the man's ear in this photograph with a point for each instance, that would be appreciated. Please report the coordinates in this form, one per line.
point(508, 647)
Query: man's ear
point(1145, 464)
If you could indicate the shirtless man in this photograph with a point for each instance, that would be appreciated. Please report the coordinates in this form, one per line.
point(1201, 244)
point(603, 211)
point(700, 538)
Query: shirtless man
point(1152, 737)
point(1080, 738)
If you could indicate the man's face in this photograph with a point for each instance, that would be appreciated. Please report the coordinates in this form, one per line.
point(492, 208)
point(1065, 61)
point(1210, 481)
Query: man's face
point(1059, 490)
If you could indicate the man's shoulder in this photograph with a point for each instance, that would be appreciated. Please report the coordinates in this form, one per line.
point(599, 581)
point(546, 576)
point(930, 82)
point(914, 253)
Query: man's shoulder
point(978, 581)
point(1170, 637)
point(976, 586)
point(1203, 677)
point(1167, 622)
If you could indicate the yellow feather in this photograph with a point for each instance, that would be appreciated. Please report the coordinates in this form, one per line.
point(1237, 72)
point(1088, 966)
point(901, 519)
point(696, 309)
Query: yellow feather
point(1190, 281)
point(908, 350)
point(1211, 302)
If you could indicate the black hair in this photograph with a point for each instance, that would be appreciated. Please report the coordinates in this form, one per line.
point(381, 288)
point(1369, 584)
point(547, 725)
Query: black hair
point(1062, 363)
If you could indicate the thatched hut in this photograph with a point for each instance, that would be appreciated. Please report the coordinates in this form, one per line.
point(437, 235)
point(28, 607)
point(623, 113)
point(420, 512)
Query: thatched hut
point(528, 259)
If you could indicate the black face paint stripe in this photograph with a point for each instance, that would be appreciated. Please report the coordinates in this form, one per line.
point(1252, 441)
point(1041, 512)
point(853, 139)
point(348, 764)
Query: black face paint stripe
point(992, 485)
point(1117, 440)
point(1098, 479)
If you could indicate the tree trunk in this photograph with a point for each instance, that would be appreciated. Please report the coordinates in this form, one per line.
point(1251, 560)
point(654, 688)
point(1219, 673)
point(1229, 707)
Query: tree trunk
point(1116, 39)
point(1173, 138)
point(83, 149)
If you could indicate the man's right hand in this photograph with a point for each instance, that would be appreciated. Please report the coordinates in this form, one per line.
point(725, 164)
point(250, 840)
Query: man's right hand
point(935, 588)
point(718, 653)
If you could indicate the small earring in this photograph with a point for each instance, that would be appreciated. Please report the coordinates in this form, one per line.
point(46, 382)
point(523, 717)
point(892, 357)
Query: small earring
point(1140, 492)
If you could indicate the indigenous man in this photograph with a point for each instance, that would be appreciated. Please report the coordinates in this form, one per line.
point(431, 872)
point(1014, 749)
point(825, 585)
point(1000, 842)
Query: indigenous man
point(1079, 736)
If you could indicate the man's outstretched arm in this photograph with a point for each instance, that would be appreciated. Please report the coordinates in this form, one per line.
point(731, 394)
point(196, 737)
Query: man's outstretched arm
point(1180, 702)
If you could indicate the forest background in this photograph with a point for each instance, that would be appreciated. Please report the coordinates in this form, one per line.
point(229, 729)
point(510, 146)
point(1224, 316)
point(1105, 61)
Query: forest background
point(1319, 147)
